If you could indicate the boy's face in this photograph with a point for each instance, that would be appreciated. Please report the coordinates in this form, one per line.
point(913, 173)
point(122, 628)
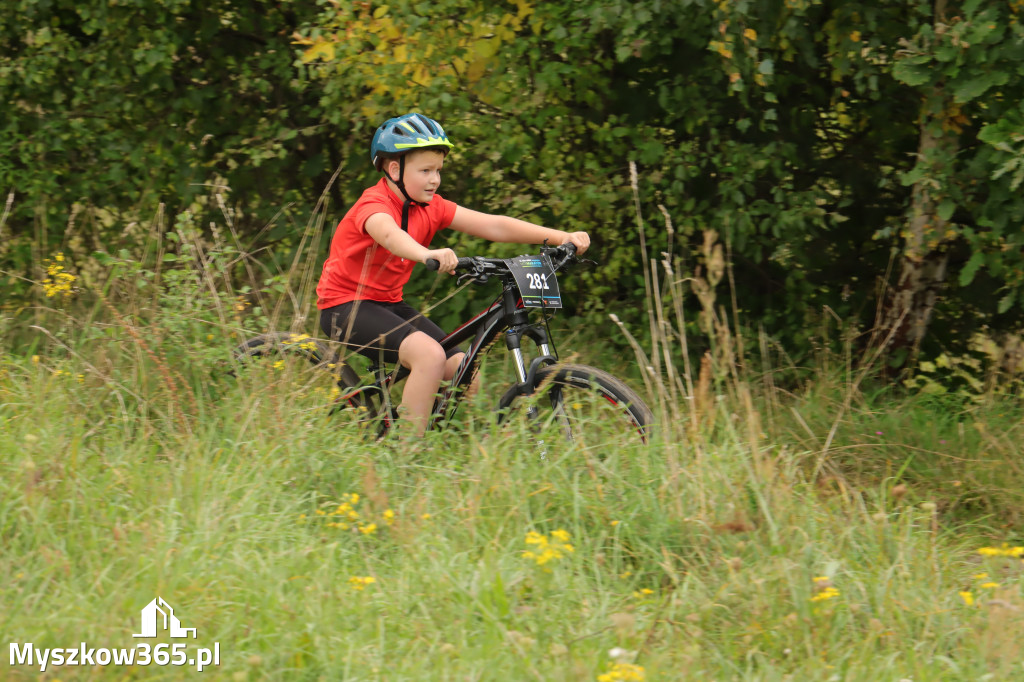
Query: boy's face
point(422, 173)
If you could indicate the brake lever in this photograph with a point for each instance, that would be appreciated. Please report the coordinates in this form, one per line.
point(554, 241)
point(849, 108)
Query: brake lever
point(479, 275)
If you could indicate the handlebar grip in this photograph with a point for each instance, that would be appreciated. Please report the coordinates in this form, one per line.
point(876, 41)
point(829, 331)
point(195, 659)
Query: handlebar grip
point(570, 247)
point(463, 264)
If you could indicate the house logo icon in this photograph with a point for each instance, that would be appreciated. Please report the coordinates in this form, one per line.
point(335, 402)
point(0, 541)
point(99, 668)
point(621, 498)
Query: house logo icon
point(151, 622)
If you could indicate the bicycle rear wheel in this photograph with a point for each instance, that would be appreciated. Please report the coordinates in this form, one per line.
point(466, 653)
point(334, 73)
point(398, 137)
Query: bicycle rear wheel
point(580, 405)
point(310, 372)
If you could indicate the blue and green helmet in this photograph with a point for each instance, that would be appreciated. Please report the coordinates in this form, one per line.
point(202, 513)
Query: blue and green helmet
point(405, 133)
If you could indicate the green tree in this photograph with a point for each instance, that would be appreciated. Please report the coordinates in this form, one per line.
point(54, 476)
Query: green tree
point(966, 63)
point(121, 105)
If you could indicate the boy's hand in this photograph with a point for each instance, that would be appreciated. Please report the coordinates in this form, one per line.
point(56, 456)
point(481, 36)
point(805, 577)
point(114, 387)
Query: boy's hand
point(446, 258)
point(580, 239)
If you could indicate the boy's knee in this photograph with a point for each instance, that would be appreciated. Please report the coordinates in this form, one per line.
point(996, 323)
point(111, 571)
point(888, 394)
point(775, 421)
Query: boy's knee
point(418, 349)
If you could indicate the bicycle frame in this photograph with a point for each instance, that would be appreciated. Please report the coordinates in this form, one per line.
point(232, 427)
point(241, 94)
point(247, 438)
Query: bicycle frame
point(507, 314)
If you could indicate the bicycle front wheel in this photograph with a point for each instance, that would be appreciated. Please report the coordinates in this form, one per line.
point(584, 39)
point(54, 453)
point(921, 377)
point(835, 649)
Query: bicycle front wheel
point(581, 405)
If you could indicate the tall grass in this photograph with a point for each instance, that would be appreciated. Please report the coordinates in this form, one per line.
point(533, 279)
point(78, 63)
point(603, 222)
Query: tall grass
point(774, 529)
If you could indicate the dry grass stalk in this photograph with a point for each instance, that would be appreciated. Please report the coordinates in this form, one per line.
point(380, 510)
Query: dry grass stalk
point(165, 371)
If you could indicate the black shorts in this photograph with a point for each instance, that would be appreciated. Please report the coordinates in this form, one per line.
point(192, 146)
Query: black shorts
point(375, 329)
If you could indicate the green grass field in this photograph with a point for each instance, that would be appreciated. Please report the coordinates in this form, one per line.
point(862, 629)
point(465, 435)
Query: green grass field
point(733, 547)
point(782, 523)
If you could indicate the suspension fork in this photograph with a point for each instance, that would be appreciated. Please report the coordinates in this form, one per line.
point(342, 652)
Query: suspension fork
point(514, 342)
point(528, 375)
point(518, 328)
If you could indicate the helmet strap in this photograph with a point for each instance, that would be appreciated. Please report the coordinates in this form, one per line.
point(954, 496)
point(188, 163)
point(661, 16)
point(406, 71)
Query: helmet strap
point(400, 183)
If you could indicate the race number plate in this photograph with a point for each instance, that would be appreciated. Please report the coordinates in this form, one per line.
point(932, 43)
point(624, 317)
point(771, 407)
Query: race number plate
point(536, 281)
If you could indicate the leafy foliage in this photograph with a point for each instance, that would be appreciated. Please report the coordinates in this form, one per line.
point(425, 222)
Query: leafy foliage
point(119, 106)
point(790, 128)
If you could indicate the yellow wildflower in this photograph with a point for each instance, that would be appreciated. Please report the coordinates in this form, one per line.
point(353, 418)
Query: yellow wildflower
point(368, 528)
point(535, 538)
point(57, 281)
point(827, 593)
point(1004, 550)
point(989, 585)
point(548, 550)
point(359, 583)
point(968, 598)
point(623, 672)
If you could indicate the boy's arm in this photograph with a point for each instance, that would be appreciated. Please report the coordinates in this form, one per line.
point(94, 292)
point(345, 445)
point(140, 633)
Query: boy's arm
point(500, 228)
point(386, 232)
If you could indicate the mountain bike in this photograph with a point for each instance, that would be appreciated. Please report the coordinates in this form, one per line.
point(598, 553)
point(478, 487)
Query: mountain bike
point(574, 402)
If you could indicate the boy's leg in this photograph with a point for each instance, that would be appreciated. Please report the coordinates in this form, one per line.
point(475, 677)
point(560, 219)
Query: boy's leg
point(452, 366)
point(396, 332)
point(425, 359)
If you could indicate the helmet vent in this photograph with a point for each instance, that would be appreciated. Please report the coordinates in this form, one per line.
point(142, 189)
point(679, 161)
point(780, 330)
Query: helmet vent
point(426, 122)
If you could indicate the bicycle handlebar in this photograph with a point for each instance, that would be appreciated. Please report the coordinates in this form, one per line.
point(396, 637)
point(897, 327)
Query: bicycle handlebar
point(478, 264)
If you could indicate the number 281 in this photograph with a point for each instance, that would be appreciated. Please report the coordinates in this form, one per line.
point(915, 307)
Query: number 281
point(537, 281)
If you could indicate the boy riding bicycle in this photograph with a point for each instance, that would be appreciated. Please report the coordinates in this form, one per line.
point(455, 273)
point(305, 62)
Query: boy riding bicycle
point(383, 235)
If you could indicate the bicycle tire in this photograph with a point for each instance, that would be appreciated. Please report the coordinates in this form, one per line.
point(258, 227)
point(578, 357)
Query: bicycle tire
point(619, 412)
point(276, 343)
point(350, 393)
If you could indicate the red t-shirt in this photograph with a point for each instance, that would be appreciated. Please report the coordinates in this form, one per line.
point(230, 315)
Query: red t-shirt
point(358, 268)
